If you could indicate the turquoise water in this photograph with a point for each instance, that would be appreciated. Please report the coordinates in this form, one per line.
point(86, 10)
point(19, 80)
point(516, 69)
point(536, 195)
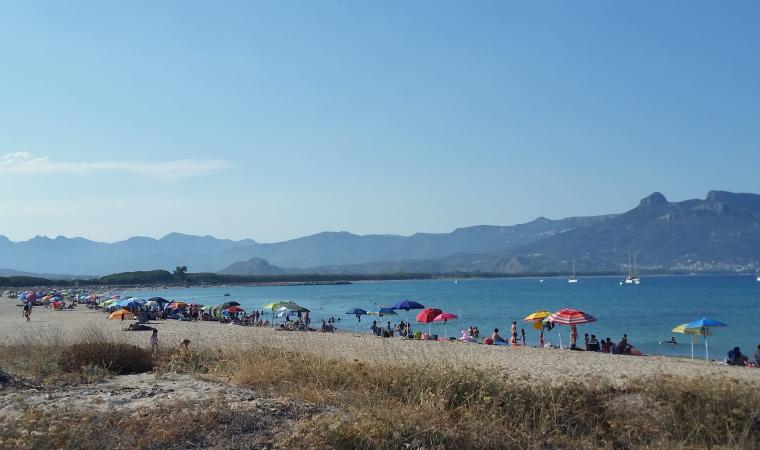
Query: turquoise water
point(646, 312)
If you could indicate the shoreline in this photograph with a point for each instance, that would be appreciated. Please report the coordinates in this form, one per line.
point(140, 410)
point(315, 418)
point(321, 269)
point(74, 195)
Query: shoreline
point(521, 363)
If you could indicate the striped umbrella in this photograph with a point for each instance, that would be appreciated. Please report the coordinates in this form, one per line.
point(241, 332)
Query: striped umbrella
point(569, 316)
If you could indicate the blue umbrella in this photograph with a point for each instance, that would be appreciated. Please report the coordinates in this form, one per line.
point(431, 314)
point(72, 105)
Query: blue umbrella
point(703, 324)
point(384, 311)
point(358, 312)
point(406, 305)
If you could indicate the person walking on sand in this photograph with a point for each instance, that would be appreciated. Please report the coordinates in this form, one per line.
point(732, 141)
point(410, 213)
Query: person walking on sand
point(154, 341)
point(27, 312)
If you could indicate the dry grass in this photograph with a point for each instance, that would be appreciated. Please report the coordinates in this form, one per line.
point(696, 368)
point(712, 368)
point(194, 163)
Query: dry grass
point(444, 407)
point(177, 425)
point(400, 406)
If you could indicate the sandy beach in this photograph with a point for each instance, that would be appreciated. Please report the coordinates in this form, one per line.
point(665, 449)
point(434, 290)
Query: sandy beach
point(516, 362)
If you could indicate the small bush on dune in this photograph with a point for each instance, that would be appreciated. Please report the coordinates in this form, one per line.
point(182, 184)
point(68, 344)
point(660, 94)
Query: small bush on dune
point(116, 357)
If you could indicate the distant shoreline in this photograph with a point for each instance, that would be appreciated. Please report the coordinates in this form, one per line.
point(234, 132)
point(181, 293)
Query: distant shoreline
point(164, 279)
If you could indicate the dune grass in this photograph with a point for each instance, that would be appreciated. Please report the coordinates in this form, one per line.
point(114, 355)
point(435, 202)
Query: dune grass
point(405, 406)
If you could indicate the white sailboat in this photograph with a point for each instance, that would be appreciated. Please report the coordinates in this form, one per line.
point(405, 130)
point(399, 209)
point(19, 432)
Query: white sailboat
point(573, 278)
point(632, 278)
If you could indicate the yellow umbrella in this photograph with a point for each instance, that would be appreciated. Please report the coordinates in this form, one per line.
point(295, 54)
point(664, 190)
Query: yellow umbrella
point(274, 305)
point(538, 315)
point(122, 312)
point(537, 318)
point(693, 332)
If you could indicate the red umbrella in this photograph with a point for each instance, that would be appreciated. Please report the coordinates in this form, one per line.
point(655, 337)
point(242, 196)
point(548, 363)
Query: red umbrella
point(234, 309)
point(443, 317)
point(428, 315)
point(571, 316)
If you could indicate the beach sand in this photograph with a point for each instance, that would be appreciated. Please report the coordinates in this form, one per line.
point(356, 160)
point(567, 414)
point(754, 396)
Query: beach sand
point(522, 363)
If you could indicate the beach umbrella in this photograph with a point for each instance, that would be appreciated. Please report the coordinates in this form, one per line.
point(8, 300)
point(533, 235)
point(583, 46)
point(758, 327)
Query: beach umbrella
point(427, 315)
point(690, 331)
point(293, 307)
point(159, 300)
point(384, 311)
point(538, 319)
point(445, 317)
point(207, 308)
point(358, 312)
point(234, 309)
point(406, 305)
point(272, 306)
point(229, 304)
point(569, 316)
point(537, 316)
point(122, 314)
point(704, 324)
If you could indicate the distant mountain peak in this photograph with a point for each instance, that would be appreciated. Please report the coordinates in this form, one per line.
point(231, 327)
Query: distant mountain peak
point(655, 199)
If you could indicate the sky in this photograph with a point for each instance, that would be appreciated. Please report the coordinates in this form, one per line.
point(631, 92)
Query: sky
point(273, 120)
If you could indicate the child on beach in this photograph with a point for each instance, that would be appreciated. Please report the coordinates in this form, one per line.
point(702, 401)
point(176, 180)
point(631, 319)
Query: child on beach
point(154, 341)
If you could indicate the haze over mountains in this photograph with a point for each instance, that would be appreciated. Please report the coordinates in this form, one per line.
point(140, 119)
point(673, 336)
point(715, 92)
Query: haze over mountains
point(719, 233)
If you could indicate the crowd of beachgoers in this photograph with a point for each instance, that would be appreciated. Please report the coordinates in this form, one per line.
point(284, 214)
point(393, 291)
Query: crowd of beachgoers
point(138, 313)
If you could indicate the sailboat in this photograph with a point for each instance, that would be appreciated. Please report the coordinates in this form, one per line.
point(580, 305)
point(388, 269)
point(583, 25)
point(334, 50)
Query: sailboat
point(632, 277)
point(573, 278)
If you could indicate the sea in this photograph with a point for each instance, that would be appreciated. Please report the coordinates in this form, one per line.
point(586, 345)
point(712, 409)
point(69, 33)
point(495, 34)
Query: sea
point(646, 312)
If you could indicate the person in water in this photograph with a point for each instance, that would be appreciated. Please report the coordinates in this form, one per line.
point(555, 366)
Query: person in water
point(671, 341)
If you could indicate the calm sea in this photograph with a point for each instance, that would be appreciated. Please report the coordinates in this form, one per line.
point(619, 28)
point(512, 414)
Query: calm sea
point(646, 312)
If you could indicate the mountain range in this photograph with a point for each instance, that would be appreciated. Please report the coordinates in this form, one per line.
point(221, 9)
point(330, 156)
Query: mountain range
point(718, 233)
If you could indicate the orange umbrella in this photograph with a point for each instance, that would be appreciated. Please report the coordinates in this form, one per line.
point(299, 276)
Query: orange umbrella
point(122, 312)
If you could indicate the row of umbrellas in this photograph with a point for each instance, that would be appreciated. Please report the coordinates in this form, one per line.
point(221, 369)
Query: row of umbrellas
point(700, 327)
point(426, 315)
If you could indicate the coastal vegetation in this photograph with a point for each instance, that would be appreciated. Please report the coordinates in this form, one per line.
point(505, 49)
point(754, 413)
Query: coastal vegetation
point(353, 404)
point(166, 278)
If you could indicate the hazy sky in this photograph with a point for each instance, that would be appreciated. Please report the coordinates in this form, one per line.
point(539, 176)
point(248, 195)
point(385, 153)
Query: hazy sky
point(272, 120)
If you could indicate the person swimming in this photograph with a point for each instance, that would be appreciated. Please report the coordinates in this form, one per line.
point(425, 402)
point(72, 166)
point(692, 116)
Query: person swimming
point(672, 341)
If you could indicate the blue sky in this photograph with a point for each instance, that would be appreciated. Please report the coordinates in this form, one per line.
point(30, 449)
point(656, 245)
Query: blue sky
point(273, 120)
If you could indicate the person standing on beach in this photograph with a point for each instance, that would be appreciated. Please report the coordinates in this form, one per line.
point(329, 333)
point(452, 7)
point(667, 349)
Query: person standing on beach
point(522, 333)
point(757, 356)
point(27, 312)
point(513, 331)
point(573, 336)
point(154, 341)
